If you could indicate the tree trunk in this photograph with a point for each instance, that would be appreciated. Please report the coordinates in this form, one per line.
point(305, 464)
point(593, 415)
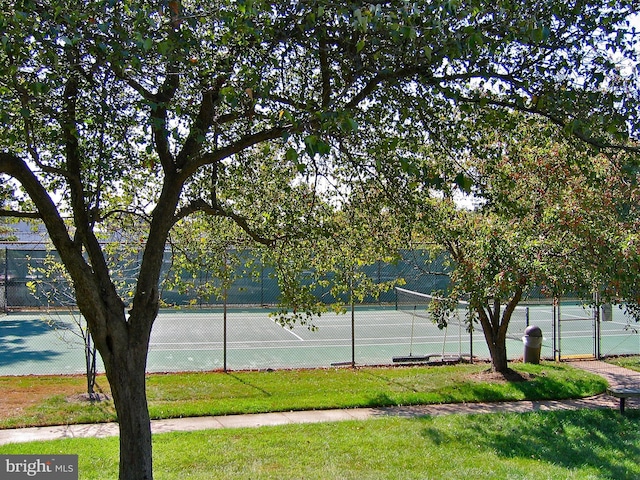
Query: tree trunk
point(498, 349)
point(90, 359)
point(126, 374)
point(495, 325)
point(495, 335)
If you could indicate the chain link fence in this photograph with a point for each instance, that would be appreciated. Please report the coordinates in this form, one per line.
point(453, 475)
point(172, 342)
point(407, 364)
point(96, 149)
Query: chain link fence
point(42, 335)
point(24, 285)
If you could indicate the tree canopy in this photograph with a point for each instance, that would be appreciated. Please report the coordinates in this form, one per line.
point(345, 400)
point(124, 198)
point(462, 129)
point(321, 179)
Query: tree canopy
point(552, 214)
point(157, 111)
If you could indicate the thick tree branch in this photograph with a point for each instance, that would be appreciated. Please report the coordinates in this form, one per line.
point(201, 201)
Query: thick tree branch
point(82, 219)
point(200, 205)
point(234, 148)
point(555, 119)
point(17, 214)
point(159, 118)
point(325, 69)
point(161, 137)
point(47, 211)
point(72, 154)
point(202, 124)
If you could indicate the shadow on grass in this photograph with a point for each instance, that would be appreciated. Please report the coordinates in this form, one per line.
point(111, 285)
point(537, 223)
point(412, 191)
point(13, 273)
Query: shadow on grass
point(544, 382)
point(243, 381)
point(601, 439)
point(18, 341)
point(385, 380)
point(546, 387)
point(537, 389)
point(381, 400)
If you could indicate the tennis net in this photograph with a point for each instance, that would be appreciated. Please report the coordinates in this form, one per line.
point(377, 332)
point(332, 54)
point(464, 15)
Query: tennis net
point(452, 312)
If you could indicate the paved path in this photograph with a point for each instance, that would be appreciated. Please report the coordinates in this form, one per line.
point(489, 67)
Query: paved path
point(616, 376)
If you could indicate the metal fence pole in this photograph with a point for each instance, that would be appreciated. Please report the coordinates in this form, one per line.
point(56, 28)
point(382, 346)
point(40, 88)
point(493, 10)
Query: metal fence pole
point(596, 326)
point(559, 330)
point(471, 340)
point(554, 320)
point(224, 331)
point(5, 282)
point(261, 283)
point(353, 332)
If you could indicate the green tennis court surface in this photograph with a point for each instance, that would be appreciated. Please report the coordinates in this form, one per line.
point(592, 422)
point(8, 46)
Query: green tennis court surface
point(193, 339)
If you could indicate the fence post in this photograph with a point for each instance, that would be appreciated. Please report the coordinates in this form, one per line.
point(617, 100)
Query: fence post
point(353, 333)
point(559, 331)
point(5, 282)
point(554, 319)
point(596, 325)
point(471, 340)
point(352, 300)
point(261, 283)
point(224, 330)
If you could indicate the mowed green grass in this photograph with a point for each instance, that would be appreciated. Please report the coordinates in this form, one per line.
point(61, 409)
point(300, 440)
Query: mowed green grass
point(200, 394)
point(631, 362)
point(585, 444)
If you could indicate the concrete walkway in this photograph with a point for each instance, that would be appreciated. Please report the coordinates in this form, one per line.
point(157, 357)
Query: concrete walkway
point(616, 376)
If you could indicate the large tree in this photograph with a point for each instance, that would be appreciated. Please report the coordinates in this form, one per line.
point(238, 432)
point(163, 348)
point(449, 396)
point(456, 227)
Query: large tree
point(112, 109)
point(550, 214)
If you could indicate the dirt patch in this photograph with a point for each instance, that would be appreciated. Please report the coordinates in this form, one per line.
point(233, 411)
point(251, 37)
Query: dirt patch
point(16, 402)
point(508, 376)
point(18, 394)
point(86, 398)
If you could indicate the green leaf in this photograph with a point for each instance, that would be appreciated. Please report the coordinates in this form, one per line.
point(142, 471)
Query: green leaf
point(349, 125)
point(464, 182)
point(427, 51)
point(316, 146)
point(292, 155)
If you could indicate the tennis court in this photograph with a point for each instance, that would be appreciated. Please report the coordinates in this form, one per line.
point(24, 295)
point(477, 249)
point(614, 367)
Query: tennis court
point(194, 340)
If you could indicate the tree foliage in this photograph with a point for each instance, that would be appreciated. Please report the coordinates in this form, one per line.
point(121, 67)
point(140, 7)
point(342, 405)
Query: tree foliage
point(145, 113)
point(555, 216)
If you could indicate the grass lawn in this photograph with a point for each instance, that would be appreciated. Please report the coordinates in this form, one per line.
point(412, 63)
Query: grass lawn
point(587, 444)
point(29, 401)
point(584, 444)
point(632, 362)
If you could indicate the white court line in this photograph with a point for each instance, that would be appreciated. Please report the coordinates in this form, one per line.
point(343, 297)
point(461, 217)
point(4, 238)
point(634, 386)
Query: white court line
point(424, 338)
point(280, 344)
point(298, 346)
point(288, 330)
